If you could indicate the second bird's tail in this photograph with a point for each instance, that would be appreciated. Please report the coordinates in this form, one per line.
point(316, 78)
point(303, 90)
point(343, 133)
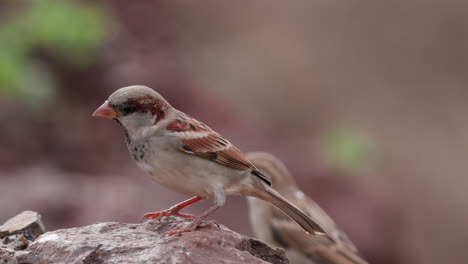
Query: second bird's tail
point(307, 223)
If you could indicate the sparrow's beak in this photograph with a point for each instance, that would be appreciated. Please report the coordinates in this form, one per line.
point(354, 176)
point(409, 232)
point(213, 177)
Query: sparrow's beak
point(106, 111)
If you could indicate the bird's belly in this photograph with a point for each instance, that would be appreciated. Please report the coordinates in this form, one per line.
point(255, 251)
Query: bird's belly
point(170, 175)
point(188, 174)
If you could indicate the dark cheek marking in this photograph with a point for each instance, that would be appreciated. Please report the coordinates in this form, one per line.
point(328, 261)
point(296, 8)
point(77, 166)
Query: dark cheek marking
point(150, 104)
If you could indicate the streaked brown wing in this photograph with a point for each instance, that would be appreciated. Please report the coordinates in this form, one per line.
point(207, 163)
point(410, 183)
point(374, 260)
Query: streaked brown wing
point(198, 139)
point(209, 148)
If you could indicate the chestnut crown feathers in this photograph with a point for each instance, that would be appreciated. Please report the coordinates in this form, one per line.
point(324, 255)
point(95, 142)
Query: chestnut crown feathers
point(138, 98)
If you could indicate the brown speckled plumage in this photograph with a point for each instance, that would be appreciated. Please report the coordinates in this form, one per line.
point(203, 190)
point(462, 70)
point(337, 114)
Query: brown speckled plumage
point(272, 226)
point(187, 156)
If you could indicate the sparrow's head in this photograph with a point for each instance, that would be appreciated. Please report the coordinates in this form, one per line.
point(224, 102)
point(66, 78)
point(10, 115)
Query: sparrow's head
point(273, 168)
point(135, 107)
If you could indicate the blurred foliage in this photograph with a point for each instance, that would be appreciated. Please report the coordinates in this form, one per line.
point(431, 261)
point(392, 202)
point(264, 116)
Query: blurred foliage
point(69, 31)
point(348, 149)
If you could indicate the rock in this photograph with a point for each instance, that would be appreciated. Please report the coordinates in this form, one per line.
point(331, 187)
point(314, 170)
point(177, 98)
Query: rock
point(24, 257)
point(142, 243)
point(16, 234)
point(6, 256)
point(15, 242)
point(27, 223)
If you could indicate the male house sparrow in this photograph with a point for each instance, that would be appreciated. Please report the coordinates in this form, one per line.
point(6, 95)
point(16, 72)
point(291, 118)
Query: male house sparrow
point(271, 226)
point(186, 156)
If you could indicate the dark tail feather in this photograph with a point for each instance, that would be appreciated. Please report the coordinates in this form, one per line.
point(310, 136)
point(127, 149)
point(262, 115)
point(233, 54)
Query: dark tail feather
point(307, 223)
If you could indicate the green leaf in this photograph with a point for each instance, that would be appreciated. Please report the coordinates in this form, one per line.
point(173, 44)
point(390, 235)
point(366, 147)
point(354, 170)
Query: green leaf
point(71, 31)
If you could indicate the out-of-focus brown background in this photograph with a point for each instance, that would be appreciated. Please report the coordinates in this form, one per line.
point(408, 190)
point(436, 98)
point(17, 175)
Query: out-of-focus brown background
point(365, 101)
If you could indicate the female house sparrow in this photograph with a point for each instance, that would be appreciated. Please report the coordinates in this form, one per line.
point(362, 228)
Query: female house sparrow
point(272, 227)
point(186, 156)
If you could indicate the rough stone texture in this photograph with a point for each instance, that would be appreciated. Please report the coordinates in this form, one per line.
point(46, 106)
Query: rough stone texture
point(15, 242)
point(7, 256)
point(24, 257)
point(142, 243)
point(27, 223)
point(16, 235)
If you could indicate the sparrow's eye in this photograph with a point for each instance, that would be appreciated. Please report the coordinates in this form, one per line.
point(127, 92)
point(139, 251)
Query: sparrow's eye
point(127, 109)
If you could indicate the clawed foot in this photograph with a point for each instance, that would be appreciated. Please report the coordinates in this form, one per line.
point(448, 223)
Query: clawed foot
point(191, 227)
point(169, 212)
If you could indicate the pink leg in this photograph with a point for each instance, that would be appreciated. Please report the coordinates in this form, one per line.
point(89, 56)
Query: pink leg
point(197, 222)
point(174, 210)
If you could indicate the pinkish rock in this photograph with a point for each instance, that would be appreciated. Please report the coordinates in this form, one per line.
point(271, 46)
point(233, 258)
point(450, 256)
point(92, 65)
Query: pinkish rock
point(28, 223)
point(142, 243)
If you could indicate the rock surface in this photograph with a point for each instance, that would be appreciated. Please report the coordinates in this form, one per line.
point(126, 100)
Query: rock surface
point(27, 223)
point(16, 235)
point(142, 243)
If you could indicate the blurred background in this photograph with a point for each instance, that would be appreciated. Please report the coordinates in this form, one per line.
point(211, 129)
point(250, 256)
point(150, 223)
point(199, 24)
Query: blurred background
point(365, 101)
